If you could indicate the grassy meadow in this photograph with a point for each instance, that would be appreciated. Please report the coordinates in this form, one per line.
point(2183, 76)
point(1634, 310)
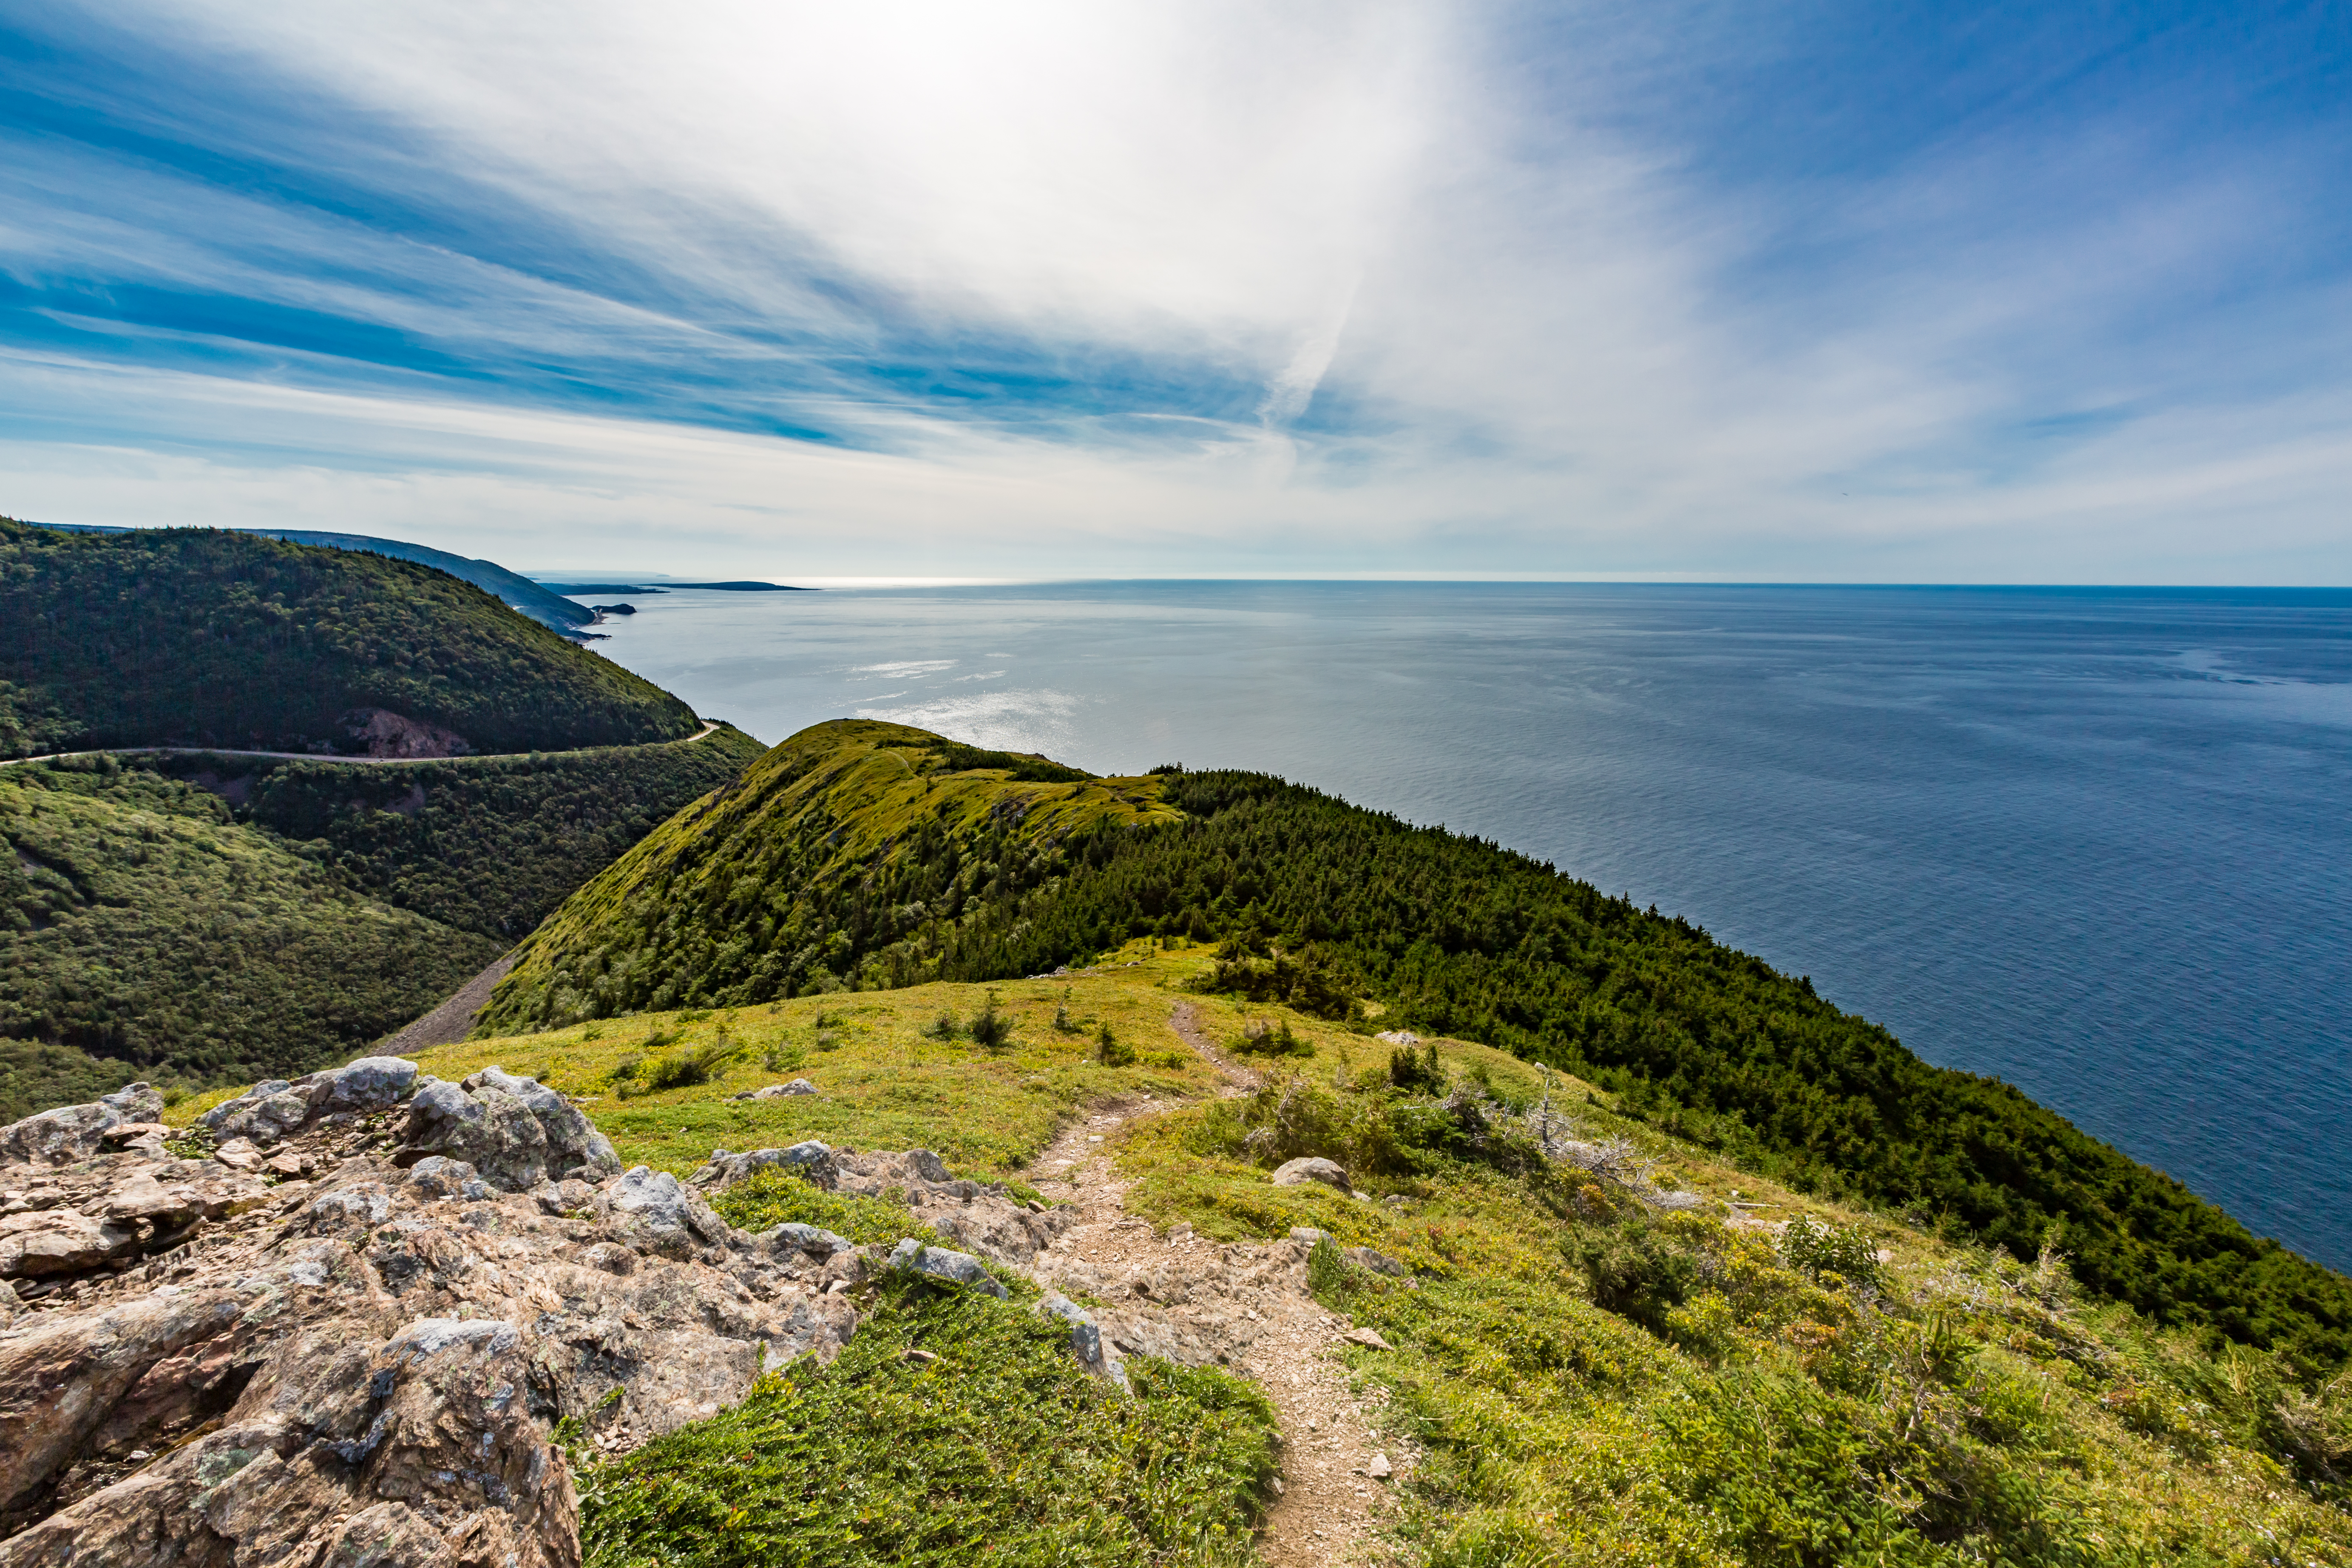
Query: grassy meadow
point(1590, 1382)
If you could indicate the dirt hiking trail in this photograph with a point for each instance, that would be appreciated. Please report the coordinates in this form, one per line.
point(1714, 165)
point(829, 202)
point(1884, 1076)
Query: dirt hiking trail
point(1247, 1308)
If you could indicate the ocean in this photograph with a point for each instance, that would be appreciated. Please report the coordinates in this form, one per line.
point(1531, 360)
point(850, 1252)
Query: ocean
point(2097, 843)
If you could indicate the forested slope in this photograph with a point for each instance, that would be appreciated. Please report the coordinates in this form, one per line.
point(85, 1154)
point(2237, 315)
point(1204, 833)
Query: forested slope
point(489, 845)
point(204, 637)
point(509, 588)
point(150, 928)
point(857, 854)
point(140, 924)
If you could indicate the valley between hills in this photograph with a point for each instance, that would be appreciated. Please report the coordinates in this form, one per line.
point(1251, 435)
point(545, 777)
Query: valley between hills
point(884, 1150)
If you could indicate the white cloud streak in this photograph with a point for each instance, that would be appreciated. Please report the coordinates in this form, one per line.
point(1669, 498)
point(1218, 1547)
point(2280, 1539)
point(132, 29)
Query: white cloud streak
point(1484, 335)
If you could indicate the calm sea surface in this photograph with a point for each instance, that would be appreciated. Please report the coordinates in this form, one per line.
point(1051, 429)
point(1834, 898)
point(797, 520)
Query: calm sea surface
point(2097, 843)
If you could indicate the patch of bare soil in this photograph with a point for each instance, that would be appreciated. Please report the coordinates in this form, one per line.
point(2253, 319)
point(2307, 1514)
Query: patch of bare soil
point(453, 1020)
point(1245, 1307)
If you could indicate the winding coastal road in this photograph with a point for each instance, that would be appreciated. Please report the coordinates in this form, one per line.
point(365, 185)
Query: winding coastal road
point(709, 727)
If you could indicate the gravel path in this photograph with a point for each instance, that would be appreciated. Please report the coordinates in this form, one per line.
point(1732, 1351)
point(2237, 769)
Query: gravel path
point(453, 1020)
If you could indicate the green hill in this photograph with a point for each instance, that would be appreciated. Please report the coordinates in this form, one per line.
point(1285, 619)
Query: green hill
point(872, 854)
point(196, 637)
point(853, 849)
point(139, 923)
point(489, 845)
point(511, 589)
point(336, 900)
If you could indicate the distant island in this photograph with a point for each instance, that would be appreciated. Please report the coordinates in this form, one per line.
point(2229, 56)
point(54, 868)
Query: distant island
point(575, 589)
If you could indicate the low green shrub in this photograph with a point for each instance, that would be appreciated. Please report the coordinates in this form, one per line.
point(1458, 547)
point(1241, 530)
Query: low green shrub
point(989, 1029)
point(1636, 1271)
point(773, 1197)
point(1261, 1039)
point(1815, 1249)
point(993, 1445)
point(681, 1068)
point(1412, 1072)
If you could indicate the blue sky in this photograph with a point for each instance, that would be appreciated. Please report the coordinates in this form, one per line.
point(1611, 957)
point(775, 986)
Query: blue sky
point(1807, 291)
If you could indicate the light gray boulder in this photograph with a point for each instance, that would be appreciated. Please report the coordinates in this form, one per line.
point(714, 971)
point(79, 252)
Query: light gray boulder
point(1297, 1172)
point(655, 1212)
point(777, 1090)
point(565, 1197)
point(810, 1160)
point(795, 1237)
point(72, 1132)
point(134, 1103)
point(368, 1085)
point(278, 1109)
point(1086, 1339)
point(939, 1263)
point(438, 1176)
point(518, 1133)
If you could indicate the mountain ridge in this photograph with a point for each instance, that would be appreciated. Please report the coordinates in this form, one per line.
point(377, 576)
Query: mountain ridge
point(854, 855)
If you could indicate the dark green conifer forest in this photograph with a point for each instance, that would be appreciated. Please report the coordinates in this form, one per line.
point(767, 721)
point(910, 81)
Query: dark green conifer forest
point(197, 636)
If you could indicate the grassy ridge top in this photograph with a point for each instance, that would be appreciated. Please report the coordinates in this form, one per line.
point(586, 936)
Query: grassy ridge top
point(1592, 1383)
point(857, 855)
point(851, 839)
point(203, 637)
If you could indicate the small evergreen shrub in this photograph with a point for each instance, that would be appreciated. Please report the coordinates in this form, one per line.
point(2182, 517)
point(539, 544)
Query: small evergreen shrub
point(989, 1029)
point(1414, 1073)
point(1814, 1248)
point(682, 1067)
point(1636, 1271)
point(1260, 1038)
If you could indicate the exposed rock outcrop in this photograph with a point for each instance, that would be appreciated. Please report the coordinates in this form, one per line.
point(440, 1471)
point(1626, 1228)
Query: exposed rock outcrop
point(355, 1351)
point(75, 1131)
point(367, 1367)
point(515, 1132)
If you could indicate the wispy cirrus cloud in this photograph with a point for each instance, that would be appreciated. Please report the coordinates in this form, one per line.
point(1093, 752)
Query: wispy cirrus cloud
point(1753, 291)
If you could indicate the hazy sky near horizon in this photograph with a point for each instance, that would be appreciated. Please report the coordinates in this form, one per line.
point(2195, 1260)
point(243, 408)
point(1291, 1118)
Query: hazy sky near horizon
point(1818, 290)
